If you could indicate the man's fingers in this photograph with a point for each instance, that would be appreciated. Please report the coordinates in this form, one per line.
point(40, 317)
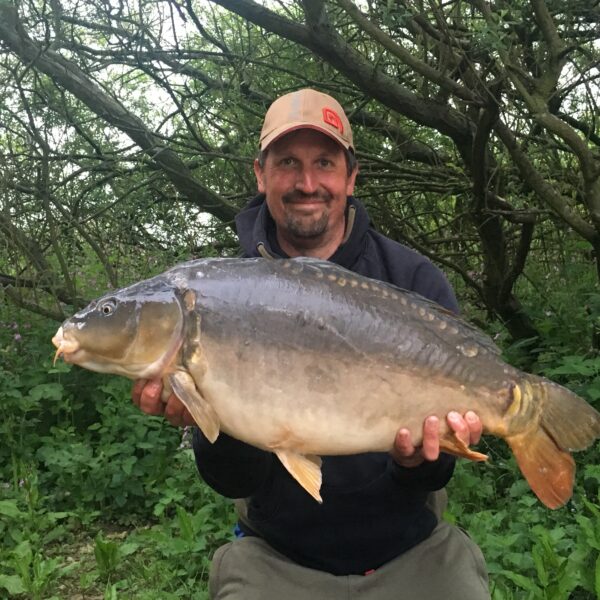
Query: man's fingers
point(431, 438)
point(468, 428)
point(147, 395)
point(458, 424)
point(136, 390)
point(176, 412)
point(187, 419)
point(475, 426)
point(404, 452)
point(150, 401)
point(403, 445)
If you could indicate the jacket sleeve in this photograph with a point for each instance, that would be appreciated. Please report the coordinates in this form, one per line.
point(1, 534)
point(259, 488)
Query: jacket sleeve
point(428, 476)
point(431, 283)
point(232, 468)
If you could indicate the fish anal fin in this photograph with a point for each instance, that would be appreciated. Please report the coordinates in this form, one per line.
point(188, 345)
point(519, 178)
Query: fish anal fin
point(548, 469)
point(305, 469)
point(202, 412)
point(452, 444)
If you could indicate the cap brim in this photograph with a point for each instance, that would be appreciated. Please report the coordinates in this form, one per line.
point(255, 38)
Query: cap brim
point(289, 127)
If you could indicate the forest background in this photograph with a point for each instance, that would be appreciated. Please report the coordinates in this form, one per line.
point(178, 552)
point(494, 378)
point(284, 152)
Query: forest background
point(127, 135)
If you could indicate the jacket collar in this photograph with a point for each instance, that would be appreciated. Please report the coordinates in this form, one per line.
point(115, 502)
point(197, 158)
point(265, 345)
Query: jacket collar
point(256, 231)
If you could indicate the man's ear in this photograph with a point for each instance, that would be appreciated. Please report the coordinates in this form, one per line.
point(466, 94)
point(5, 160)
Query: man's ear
point(351, 181)
point(260, 176)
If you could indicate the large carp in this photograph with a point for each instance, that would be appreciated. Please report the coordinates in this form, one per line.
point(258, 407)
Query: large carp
point(304, 358)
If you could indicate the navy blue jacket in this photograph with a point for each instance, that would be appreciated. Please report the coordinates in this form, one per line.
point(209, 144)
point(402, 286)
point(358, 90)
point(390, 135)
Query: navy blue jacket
point(373, 509)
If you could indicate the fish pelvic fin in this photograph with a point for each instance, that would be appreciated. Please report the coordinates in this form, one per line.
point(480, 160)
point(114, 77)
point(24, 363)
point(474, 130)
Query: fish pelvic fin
point(305, 469)
point(452, 444)
point(202, 412)
point(549, 470)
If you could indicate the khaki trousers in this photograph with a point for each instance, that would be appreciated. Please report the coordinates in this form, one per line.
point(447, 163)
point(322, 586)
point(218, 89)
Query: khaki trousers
point(446, 566)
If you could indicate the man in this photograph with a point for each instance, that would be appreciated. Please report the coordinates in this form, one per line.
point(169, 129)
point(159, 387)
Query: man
point(377, 534)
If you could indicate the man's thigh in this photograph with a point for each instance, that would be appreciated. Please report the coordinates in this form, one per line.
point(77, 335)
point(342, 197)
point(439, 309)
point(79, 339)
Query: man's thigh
point(249, 569)
point(448, 566)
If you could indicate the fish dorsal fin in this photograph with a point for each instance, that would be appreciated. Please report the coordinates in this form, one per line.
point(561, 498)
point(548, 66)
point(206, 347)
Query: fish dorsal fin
point(202, 412)
point(305, 469)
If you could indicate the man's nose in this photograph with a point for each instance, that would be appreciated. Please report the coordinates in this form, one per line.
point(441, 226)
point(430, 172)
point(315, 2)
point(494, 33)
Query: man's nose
point(307, 181)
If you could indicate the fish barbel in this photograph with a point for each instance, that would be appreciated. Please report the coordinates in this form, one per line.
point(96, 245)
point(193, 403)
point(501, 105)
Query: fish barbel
point(303, 358)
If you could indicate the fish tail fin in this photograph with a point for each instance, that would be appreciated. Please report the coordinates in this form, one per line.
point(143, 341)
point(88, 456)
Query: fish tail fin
point(548, 469)
point(571, 422)
point(566, 423)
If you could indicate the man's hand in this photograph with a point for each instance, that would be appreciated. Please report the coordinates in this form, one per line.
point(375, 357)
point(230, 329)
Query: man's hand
point(146, 394)
point(467, 428)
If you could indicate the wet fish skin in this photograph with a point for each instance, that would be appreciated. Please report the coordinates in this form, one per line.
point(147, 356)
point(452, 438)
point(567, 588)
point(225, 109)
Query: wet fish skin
point(304, 358)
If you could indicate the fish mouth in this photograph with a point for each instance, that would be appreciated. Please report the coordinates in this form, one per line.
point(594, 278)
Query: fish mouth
point(64, 348)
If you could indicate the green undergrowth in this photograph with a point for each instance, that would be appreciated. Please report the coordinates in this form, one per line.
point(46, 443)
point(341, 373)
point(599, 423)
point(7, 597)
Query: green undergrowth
point(99, 501)
point(532, 552)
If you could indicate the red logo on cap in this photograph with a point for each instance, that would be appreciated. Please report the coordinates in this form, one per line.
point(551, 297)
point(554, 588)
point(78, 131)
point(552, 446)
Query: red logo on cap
point(332, 118)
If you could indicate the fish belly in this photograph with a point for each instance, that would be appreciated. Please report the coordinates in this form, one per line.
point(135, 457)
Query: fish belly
point(314, 404)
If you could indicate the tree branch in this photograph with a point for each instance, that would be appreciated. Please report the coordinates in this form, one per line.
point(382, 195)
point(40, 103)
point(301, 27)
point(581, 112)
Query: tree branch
point(77, 82)
point(545, 192)
point(406, 57)
point(322, 39)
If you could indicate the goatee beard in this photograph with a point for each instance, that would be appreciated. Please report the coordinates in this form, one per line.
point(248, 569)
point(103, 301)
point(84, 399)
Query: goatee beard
point(306, 227)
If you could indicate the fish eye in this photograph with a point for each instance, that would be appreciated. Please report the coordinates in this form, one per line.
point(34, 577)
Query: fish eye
point(107, 307)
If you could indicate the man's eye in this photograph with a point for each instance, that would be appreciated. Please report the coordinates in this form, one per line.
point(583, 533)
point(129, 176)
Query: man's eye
point(288, 162)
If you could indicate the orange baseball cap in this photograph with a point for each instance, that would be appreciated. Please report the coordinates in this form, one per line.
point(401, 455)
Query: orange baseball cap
point(306, 109)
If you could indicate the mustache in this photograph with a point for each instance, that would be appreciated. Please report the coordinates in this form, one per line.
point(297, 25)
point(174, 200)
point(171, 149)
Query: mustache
point(298, 195)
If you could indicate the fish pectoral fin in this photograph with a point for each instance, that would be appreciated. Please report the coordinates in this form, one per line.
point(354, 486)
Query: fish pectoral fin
point(305, 469)
point(452, 444)
point(549, 470)
point(202, 412)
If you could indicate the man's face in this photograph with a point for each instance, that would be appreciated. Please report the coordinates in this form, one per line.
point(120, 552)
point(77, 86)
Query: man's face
point(306, 182)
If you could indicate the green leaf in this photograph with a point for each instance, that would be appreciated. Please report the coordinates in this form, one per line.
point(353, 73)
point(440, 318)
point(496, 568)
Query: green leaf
point(107, 555)
point(110, 593)
point(9, 508)
point(23, 551)
point(523, 582)
point(128, 548)
point(12, 584)
point(185, 524)
point(48, 391)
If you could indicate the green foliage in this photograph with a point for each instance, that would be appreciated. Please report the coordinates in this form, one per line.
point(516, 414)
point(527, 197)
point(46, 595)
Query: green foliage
point(33, 574)
point(110, 554)
point(530, 552)
point(76, 456)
